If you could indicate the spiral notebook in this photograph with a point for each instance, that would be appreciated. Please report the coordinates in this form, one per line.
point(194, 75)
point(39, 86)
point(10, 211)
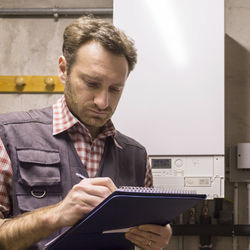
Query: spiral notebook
point(104, 227)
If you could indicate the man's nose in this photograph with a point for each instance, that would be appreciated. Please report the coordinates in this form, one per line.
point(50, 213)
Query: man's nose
point(102, 99)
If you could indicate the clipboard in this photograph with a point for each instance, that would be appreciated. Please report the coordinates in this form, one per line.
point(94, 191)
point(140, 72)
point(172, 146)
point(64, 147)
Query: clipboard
point(104, 227)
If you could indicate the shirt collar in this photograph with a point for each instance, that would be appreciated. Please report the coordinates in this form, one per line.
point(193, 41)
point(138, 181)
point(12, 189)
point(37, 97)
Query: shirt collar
point(63, 120)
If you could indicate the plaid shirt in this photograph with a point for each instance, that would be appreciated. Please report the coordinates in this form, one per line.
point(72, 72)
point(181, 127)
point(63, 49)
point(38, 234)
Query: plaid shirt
point(90, 151)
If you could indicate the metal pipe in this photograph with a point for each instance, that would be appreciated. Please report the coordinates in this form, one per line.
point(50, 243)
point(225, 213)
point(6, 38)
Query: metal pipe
point(236, 216)
point(181, 238)
point(248, 192)
point(52, 12)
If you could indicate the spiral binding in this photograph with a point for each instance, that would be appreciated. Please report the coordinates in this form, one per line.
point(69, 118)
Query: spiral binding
point(155, 190)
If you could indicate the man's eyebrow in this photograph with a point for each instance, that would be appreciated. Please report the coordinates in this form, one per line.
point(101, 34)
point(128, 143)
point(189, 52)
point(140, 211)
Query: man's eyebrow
point(98, 79)
point(92, 77)
point(119, 84)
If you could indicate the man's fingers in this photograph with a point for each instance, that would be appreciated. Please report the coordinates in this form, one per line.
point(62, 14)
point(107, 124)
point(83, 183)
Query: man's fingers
point(82, 198)
point(142, 241)
point(150, 236)
point(90, 189)
point(156, 229)
point(101, 181)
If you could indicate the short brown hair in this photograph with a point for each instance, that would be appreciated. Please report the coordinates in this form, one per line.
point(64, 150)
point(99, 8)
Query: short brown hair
point(88, 28)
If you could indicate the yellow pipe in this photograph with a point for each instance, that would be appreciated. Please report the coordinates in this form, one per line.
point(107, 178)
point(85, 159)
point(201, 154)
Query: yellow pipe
point(30, 84)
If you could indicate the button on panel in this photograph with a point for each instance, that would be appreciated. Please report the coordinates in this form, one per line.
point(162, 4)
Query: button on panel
point(179, 163)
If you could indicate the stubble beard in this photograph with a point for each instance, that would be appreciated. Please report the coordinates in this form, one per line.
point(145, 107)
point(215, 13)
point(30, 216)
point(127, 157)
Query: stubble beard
point(91, 122)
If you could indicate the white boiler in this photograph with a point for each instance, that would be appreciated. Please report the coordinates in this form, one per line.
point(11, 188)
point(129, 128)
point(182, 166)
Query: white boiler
point(173, 102)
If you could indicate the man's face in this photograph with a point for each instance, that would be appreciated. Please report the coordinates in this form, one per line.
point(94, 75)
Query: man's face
point(94, 86)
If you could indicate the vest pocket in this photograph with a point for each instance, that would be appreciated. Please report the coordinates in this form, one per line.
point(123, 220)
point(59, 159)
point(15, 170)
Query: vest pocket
point(38, 167)
point(40, 178)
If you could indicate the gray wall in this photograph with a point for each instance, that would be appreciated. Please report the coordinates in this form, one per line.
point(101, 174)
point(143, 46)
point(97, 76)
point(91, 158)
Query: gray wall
point(32, 46)
point(237, 90)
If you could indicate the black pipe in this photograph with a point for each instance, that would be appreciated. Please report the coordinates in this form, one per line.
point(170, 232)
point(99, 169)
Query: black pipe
point(242, 230)
point(227, 230)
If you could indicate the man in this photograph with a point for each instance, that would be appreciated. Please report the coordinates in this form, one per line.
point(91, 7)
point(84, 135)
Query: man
point(41, 150)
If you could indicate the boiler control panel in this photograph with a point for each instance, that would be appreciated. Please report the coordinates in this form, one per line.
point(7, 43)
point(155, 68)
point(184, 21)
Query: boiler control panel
point(204, 174)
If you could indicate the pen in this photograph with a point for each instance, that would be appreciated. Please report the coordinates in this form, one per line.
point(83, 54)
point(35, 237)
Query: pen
point(80, 176)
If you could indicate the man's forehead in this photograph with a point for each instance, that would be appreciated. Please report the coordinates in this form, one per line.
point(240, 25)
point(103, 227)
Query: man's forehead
point(93, 59)
point(95, 49)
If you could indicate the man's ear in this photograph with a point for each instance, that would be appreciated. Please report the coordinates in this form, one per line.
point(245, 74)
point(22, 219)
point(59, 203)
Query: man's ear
point(62, 69)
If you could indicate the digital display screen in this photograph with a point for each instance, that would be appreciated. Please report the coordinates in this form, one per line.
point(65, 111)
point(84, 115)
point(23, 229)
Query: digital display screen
point(161, 163)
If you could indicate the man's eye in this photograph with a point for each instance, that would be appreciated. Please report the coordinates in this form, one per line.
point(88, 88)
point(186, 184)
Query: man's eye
point(92, 84)
point(115, 89)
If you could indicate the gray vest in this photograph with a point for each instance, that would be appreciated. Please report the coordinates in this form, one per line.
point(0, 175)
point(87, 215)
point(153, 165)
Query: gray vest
point(44, 165)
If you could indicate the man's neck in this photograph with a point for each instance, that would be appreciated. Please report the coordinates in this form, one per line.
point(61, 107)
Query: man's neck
point(93, 131)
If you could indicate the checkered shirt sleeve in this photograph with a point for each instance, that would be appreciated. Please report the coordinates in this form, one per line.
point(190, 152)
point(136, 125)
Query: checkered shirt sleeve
point(5, 181)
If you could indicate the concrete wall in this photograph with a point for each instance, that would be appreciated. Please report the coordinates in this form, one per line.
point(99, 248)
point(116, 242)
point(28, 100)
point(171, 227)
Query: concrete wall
point(237, 89)
point(31, 47)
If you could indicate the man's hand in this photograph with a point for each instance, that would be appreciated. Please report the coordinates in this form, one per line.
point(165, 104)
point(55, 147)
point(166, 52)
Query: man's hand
point(81, 199)
point(27, 229)
point(150, 236)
